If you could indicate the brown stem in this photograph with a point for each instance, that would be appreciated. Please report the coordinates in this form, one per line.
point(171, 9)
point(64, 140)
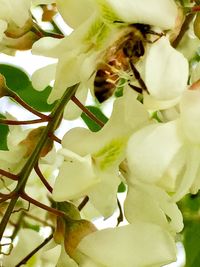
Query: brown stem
point(9, 175)
point(5, 197)
point(86, 111)
point(183, 30)
point(83, 203)
point(32, 253)
point(26, 106)
point(11, 122)
point(42, 178)
point(42, 206)
point(55, 138)
point(32, 160)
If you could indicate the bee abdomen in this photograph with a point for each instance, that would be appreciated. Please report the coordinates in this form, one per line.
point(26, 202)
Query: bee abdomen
point(104, 84)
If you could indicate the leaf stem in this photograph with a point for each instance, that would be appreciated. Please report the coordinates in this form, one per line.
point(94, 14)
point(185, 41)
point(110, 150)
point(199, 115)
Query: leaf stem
point(183, 30)
point(41, 205)
point(42, 178)
point(26, 106)
point(86, 111)
point(55, 138)
point(11, 122)
point(9, 175)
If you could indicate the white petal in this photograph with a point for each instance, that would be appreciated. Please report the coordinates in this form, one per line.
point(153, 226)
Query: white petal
point(151, 150)
point(190, 115)
point(41, 78)
point(47, 46)
point(66, 75)
point(190, 174)
point(137, 11)
point(79, 140)
point(103, 196)
point(166, 71)
point(151, 103)
point(151, 204)
point(75, 179)
point(75, 12)
point(72, 111)
point(137, 244)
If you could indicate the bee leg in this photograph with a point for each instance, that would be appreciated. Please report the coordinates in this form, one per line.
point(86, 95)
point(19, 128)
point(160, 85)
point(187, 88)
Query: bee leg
point(137, 76)
point(136, 88)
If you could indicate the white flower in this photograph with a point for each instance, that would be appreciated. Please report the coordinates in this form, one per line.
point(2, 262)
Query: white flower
point(91, 159)
point(150, 203)
point(136, 11)
point(168, 153)
point(80, 53)
point(72, 11)
point(166, 74)
point(138, 244)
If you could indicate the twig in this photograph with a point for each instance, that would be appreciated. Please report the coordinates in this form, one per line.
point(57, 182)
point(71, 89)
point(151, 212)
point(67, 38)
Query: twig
point(83, 203)
point(5, 197)
point(11, 122)
point(42, 206)
point(42, 178)
point(55, 138)
point(18, 99)
point(9, 175)
point(32, 253)
point(30, 163)
point(183, 30)
point(86, 111)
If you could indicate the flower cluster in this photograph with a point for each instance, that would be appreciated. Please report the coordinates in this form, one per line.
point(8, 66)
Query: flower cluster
point(122, 51)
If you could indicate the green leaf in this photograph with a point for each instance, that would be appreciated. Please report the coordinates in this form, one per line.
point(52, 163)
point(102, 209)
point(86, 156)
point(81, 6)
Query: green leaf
point(121, 188)
point(93, 126)
point(18, 81)
point(190, 204)
point(4, 130)
point(192, 243)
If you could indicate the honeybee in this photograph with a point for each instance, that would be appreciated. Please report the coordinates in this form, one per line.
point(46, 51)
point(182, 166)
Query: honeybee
point(119, 60)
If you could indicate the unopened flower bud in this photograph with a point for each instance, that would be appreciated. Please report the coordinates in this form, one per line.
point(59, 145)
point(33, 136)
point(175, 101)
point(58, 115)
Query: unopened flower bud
point(59, 232)
point(75, 231)
point(32, 140)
